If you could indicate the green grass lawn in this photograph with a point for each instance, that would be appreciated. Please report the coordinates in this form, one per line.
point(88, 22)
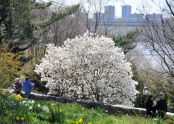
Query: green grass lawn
point(14, 109)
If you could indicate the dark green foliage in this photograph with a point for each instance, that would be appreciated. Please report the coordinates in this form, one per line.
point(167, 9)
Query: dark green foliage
point(100, 110)
point(15, 23)
point(18, 30)
point(171, 91)
point(5, 20)
point(140, 98)
point(137, 77)
point(57, 16)
point(56, 115)
point(41, 5)
point(25, 59)
point(128, 41)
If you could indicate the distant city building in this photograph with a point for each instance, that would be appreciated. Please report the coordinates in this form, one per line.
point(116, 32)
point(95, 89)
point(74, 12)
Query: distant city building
point(154, 16)
point(128, 19)
point(107, 16)
point(136, 16)
point(110, 11)
point(126, 11)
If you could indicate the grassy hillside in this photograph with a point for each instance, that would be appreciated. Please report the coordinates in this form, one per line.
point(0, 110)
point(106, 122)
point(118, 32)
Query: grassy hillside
point(15, 109)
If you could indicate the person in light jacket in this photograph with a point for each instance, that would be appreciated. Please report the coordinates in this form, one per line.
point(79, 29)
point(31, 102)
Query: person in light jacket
point(27, 87)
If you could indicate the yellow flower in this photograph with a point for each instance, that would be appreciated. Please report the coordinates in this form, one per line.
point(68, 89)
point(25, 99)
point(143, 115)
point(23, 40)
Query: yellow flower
point(19, 97)
point(89, 122)
point(68, 121)
point(14, 94)
point(77, 122)
point(25, 115)
point(22, 118)
point(81, 120)
point(53, 104)
point(5, 92)
point(60, 110)
point(17, 118)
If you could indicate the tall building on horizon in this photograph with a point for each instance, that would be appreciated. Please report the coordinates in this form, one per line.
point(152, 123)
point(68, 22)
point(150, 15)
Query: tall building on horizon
point(154, 16)
point(126, 11)
point(128, 19)
point(110, 10)
point(109, 13)
point(107, 16)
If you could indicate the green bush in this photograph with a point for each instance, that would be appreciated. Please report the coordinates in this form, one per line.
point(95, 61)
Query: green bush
point(140, 100)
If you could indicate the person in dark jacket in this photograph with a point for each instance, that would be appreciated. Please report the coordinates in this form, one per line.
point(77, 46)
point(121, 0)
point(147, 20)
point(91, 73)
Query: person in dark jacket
point(150, 107)
point(162, 106)
point(27, 87)
point(17, 86)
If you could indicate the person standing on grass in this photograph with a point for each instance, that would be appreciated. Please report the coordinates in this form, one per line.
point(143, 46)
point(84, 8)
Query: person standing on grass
point(162, 106)
point(150, 107)
point(17, 86)
point(27, 87)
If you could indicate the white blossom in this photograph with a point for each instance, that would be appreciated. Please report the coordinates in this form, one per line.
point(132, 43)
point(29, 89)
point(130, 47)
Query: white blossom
point(45, 108)
point(23, 102)
point(30, 108)
point(32, 101)
point(38, 105)
point(88, 67)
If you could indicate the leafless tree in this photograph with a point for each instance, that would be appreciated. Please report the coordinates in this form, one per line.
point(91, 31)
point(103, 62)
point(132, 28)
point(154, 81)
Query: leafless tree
point(92, 8)
point(159, 36)
point(137, 58)
point(59, 31)
point(67, 27)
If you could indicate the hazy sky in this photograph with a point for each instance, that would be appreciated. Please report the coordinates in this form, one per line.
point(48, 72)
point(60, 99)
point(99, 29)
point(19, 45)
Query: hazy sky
point(137, 5)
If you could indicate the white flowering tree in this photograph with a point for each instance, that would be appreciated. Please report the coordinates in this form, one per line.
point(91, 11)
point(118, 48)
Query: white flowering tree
point(88, 67)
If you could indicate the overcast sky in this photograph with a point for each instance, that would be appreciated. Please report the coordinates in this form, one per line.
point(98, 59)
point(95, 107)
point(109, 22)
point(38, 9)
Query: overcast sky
point(138, 6)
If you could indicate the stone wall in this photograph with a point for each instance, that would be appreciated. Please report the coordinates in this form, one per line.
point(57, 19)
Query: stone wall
point(110, 109)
